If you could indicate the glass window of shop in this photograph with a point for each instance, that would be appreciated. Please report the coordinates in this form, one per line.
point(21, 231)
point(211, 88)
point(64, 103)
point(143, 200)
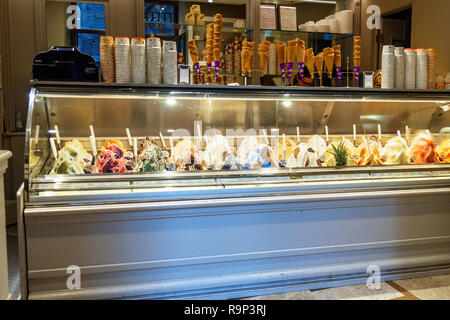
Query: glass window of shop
point(78, 24)
point(159, 19)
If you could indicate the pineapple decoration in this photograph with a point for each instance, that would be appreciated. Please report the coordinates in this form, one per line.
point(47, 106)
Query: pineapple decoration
point(340, 154)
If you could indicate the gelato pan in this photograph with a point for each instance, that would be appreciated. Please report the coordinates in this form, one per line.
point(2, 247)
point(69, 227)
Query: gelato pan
point(72, 159)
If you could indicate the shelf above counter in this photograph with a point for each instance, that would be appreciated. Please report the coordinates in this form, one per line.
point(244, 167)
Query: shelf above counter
point(305, 34)
point(198, 28)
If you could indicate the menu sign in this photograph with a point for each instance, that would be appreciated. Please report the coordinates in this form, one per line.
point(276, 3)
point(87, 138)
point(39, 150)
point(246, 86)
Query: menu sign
point(268, 17)
point(288, 18)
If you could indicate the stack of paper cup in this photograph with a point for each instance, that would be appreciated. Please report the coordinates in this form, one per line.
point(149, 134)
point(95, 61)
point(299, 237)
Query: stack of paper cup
point(153, 60)
point(169, 50)
point(107, 58)
point(431, 68)
point(138, 60)
point(335, 26)
point(387, 67)
point(345, 18)
point(421, 68)
point(122, 59)
point(410, 68)
point(399, 53)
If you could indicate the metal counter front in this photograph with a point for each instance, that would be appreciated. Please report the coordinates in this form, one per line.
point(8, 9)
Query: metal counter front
point(238, 231)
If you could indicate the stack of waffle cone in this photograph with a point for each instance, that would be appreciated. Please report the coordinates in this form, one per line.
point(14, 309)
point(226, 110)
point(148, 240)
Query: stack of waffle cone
point(193, 51)
point(281, 51)
point(309, 61)
point(209, 42)
point(318, 62)
point(337, 55)
point(217, 39)
point(263, 55)
point(247, 57)
point(328, 56)
point(356, 51)
point(300, 51)
point(291, 50)
point(236, 57)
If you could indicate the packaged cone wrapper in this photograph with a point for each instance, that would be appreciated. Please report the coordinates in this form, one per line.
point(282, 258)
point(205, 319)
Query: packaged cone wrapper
point(328, 56)
point(318, 62)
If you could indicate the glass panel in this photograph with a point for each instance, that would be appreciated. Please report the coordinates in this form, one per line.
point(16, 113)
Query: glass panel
point(38, 137)
point(89, 43)
point(92, 16)
point(272, 139)
point(159, 19)
point(411, 131)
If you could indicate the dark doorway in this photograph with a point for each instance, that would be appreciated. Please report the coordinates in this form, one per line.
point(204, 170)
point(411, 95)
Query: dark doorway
point(395, 30)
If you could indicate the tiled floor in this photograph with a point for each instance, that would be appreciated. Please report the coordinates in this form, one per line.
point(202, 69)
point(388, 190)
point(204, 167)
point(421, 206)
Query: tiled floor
point(427, 288)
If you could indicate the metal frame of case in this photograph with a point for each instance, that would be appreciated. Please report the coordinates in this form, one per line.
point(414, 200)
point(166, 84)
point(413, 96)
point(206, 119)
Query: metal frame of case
point(230, 234)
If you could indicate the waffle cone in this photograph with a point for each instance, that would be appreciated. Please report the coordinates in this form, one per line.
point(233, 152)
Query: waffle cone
point(309, 61)
point(318, 62)
point(328, 56)
point(216, 54)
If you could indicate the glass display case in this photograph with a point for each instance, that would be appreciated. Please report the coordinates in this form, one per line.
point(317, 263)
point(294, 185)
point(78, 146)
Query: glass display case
point(269, 173)
point(219, 137)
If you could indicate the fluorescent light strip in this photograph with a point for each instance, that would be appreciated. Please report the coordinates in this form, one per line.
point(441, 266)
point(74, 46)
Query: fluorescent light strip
point(255, 98)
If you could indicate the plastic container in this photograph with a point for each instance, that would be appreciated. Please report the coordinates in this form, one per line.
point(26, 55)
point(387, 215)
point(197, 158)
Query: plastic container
point(447, 81)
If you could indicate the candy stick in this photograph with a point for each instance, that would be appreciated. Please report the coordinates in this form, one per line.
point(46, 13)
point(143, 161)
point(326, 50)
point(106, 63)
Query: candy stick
point(339, 74)
point(301, 69)
point(171, 143)
point(398, 133)
point(135, 147)
point(130, 141)
point(93, 145)
point(58, 140)
point(354, 134)
point(326, 133)
point(36, 137)
point(298, 134)
point(284, 145)
point(52, 144)
point(162, 140)
point(379, 132)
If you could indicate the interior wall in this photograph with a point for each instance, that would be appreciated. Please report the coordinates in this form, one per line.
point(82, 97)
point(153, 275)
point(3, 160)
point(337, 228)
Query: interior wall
point(56, 17)
point(25, 27)
point(429, 29)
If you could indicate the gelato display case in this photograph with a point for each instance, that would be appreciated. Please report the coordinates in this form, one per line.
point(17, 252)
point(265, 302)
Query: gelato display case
point(187, 192)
